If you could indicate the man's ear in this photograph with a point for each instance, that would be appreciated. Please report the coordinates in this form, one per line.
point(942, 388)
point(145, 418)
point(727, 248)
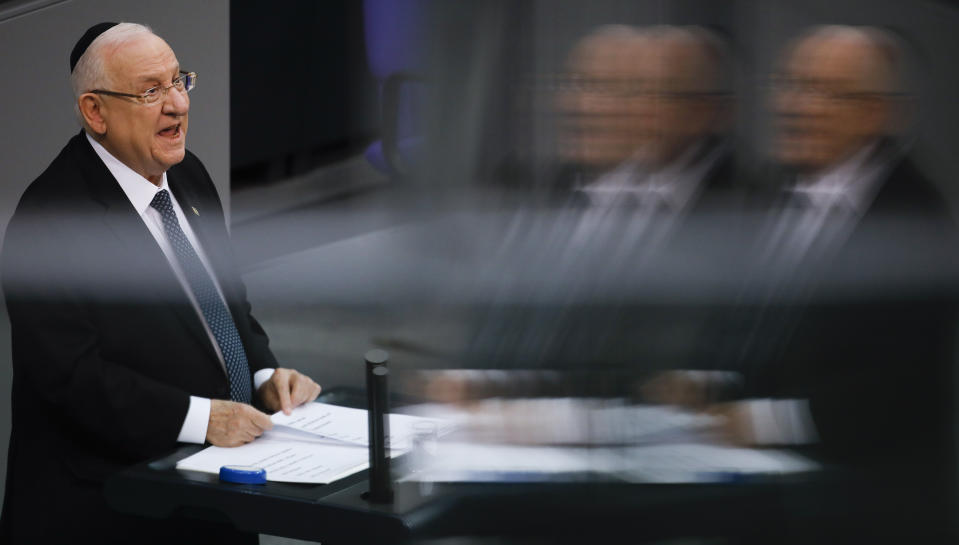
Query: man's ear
point(901, 115)
point(91, 109)
point(721, 113)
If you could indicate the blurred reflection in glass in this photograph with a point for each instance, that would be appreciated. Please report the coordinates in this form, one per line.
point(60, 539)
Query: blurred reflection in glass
point(643, 114)
point(835, 95)
point(844, 335)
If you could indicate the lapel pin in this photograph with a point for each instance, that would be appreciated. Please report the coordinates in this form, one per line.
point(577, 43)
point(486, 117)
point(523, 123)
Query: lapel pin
point(195, 210)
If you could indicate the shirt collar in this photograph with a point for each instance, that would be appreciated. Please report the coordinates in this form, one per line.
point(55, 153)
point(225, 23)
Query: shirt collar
point(674, 184)
point(850, 182)
point(138, 189)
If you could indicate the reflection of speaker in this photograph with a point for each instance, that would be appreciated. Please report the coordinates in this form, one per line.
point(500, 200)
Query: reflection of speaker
point(377, 398)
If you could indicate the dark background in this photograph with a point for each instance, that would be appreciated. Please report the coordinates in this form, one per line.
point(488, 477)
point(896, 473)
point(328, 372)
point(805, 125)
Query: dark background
point(301, 94)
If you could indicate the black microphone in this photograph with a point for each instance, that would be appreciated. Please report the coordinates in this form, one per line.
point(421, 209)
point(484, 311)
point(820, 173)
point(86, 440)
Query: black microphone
point(377, 400)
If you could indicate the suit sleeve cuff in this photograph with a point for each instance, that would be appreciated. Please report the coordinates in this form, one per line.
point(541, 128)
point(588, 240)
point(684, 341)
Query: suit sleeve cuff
point(196, 421)
point(262, 376)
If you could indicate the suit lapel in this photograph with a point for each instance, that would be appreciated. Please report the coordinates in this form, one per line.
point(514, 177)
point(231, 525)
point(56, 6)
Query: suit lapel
point(141, 250)
point(199, 217)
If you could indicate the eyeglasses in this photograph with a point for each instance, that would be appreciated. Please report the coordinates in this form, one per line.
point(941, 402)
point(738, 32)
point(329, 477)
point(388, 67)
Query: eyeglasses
point(784, 85)
point(622, 88)
point(184, 83)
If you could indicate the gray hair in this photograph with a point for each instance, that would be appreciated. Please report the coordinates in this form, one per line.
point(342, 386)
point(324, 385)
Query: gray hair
point(717, 59)
point(90, 72)
point(885, 67)
point(718, 68)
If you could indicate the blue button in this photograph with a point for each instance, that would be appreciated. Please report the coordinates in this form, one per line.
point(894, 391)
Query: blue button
point(243, 474)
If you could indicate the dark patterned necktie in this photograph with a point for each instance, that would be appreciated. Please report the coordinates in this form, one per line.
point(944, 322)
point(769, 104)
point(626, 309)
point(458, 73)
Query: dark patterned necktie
point(211, 305)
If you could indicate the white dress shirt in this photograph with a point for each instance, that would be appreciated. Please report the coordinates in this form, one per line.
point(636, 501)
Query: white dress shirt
point(140, 192)
point(633, 209)
point(829, 204)
point(672, 187)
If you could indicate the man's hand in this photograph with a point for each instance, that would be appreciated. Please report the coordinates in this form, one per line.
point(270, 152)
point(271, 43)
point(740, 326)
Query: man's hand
point(286, 389)
point(233, 424)
point(734, 423)
point(676, 388)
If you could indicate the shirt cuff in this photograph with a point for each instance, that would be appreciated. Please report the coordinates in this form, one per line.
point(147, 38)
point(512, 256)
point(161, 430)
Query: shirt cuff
point(196, 422)
point(262, 376)
point(782, 421)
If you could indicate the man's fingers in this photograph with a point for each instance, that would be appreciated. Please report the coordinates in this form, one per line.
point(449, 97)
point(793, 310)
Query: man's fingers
point(234, 424)
point(302, 387)
point(305, 390)
point(281, 380)
point(260, 420)
point(287, 389)
point(296, 390)
point(316, 392)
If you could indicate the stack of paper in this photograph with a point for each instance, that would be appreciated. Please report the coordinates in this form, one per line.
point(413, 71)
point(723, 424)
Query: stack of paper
point(350, 425)
point(317, 443)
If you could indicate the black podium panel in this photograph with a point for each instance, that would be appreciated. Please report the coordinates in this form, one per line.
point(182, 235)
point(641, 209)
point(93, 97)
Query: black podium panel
point(578, 506)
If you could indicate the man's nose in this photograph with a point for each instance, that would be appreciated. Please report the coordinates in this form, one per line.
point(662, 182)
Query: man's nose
point(789, 103)
point(176, 102)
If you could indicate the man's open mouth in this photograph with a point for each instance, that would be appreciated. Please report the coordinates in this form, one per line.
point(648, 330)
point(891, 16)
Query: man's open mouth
point(172, 131)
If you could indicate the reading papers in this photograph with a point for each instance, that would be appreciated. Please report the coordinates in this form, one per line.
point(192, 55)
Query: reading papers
point(284, 460)
point(317, 443)
point(350, 425)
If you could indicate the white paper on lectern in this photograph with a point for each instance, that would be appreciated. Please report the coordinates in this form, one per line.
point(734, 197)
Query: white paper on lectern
point(318, 443)
point(678, 463)
point(284, 459)
point(668, 463)
point(350, 425)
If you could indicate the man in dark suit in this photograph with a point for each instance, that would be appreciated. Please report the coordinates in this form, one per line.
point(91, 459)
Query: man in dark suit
point(644, 119)
point(131, 327)
point(850, 205)
point(642, 144)
point(846, 338)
